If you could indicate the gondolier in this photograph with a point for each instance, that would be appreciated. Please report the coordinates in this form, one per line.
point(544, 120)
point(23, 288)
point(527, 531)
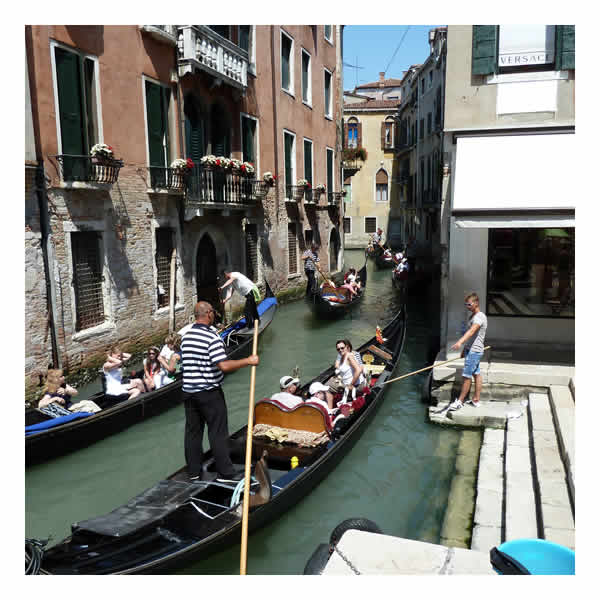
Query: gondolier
point(247, 288)
point(310, 258)
point(204, 364)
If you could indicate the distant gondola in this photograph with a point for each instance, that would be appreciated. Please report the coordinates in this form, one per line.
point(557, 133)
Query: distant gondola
point(384, 262)
point(177, 521)
point(327, 302)
point(47, 437)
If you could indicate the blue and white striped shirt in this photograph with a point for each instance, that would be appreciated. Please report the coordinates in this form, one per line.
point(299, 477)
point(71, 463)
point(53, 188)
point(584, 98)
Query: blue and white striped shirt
point(201, 350)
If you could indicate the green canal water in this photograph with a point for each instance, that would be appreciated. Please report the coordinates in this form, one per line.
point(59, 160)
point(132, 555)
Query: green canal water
point(398, 474)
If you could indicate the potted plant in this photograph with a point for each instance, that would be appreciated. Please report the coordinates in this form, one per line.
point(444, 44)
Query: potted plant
point(269, 178)
point(209, 161)
point(319, 189)
point(247, 169)
point(303, 183)
point(181, 165)
point(102, 153)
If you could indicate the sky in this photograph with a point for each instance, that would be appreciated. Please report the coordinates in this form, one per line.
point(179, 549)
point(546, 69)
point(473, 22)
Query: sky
point(389, 48)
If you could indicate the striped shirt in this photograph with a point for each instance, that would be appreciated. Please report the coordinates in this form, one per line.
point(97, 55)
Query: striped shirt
point(310, 258)
point(201, 350)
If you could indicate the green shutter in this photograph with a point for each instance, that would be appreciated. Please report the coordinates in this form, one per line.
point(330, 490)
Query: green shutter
point(156, 124)
point(308, 162)
point(329, 171)
point(485, 49)
point(305, 77)
point(244, 41)
point(288, 147)
point(195, 146)
point(565, 47)
point(70, 103)
point(285, 63)
point(248, 135)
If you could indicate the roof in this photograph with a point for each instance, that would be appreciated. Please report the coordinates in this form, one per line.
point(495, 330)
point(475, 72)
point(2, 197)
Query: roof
point(373, 104)
point(378, 84)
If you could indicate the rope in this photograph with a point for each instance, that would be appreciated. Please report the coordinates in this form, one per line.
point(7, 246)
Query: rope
point(235, 497)
point(34, 551)
point(346, 560)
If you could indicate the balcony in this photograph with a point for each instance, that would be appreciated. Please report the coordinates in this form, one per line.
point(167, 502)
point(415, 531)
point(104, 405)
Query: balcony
point(333, 198)
point(294, 193)
point(166, 179)
point(216, 188)
point(88, 169)
point(161, 33)
point(351, 167)
point(201, 49)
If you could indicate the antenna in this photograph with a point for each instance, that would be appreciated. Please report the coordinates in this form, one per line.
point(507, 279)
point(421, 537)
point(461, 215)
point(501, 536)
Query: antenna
point(355, 67)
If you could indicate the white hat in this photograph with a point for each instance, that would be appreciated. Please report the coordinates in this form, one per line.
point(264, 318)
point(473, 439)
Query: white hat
point(287, 380)
point(317, 386)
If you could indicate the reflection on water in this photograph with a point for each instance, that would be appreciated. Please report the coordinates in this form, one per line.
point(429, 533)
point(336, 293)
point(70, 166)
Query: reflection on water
point(398, 474)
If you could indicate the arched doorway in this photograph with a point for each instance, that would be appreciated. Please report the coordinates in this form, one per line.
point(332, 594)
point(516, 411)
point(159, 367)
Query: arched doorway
point(334, 249)
point(206, 272)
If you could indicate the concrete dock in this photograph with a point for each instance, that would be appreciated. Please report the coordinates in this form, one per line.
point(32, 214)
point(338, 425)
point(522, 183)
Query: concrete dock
point(523, 476)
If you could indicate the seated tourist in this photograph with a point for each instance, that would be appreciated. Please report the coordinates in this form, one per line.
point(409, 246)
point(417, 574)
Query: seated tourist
point(351, 282)
point(169, 359)
point(58, 393)
point(321, 394)
point(287, 396)
point(349, 367)
point(152, 368)
point(398, 257)
point(112, 370)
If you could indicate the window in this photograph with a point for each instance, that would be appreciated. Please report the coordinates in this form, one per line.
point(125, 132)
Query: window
point(306, 79)
point(370, 224)
point(514, 48)
point(249, 139)
point(327, 31)
point(309, 236)
point(78, 111)
point(348, 225)
point(348, 190)
point(429, 123)
point(352, 134)
point(329, 166)
point(387, 133)
point(292, 251)
point(246, 36)
point(422, 85)
point(157, 108)
point(421, 129)
point(327, 87)
point(430, 80)
point(421, 175)
point(252, 251)
point(289, 149)
point(164, 249)
point(308, 159)
point(87, 279)
point(429, 172)
point(531, 273)
point(287, 63)
point(222, 30)
point(381, 186)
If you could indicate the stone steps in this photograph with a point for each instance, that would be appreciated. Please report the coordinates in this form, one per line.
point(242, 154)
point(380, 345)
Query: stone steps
point(526, 475)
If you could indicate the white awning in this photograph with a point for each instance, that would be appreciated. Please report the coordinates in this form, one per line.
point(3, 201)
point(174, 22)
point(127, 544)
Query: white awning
point(526, 172)
point(497, 222)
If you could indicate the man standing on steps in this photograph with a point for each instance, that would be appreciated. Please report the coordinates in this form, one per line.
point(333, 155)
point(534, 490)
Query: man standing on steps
point(473, 339)
point(204, 364)
point(244, 287)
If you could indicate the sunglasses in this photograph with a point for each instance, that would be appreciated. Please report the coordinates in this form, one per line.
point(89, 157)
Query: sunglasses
point(340, 347)
point(468, 304)
point(151, 353)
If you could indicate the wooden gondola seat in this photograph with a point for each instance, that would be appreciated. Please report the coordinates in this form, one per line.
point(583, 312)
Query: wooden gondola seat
point(307, 416)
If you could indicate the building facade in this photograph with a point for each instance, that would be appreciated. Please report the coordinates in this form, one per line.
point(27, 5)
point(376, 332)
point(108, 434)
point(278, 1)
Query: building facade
point(113, 236)
point(508, 211)
point(370, 179)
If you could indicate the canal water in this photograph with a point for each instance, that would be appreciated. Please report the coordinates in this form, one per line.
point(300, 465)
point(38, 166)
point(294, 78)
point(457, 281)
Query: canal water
point(398, 474)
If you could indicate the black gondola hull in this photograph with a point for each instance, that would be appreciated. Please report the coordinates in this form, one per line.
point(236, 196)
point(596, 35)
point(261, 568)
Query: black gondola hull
point(56, 441)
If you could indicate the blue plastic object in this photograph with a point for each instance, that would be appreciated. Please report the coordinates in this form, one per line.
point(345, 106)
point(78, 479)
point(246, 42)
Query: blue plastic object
point(262, 308)
point(50, 423)
point(539, 557)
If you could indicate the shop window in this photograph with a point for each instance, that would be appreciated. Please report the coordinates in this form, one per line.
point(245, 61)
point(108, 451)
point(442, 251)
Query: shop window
point(531, 273)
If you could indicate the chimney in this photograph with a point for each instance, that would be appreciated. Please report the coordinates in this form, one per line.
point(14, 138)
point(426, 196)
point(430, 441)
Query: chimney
point(381, 77)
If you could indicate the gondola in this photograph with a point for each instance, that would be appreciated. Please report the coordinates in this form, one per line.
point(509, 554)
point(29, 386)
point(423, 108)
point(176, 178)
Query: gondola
point(47, 437)
point(383, 262)
point(329, 302)
point(176, 521)
point(400, 281)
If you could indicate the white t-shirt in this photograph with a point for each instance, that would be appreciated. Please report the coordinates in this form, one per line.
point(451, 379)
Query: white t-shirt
point(287, 399)
point(318, 400)
point(241, 283)
point(476, 343)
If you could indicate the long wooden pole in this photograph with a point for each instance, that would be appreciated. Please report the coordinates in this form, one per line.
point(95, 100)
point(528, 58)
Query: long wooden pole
point(244, 549)
point(426, 368)
point(172, 292)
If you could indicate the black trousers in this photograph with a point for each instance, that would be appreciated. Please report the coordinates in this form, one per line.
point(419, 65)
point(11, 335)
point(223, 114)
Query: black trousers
point(311, 283)
point(251, 310)
point(206, 408)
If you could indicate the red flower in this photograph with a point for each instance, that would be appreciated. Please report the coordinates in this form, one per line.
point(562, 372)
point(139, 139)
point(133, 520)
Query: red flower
point(110, 147)
point(307, 184)
point(274, 177)
point(190, 163)
point(218, 163)
point(243, 167)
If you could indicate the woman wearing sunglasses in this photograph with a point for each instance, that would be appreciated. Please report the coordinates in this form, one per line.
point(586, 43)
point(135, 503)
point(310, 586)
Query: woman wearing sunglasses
point(348, 367)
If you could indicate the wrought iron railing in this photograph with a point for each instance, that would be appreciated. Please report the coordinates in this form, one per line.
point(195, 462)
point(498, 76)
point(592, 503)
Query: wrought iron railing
point(217, 186)
point(88, 169)
point(294, 193)
point(261, 188)
point(165, 178)
point(333, 198)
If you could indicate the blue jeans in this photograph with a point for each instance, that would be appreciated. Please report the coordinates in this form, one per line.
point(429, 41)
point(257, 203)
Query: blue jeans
point(472, 361)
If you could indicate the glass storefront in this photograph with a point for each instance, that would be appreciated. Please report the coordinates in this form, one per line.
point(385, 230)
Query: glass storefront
point(531, 273)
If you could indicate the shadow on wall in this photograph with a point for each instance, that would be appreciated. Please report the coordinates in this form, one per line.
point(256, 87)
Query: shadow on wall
point(89, 38)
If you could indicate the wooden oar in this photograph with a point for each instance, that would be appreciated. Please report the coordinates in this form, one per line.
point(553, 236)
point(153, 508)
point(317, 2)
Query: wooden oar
point(427, 368)
point(244, 549)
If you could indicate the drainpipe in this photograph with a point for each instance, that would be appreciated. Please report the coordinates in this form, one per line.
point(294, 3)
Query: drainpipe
point(275, 126)
point(40, 191)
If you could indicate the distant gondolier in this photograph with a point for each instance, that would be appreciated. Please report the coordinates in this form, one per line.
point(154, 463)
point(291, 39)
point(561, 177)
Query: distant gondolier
point(310, 258)
point(247, 288)
point(378, 236)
